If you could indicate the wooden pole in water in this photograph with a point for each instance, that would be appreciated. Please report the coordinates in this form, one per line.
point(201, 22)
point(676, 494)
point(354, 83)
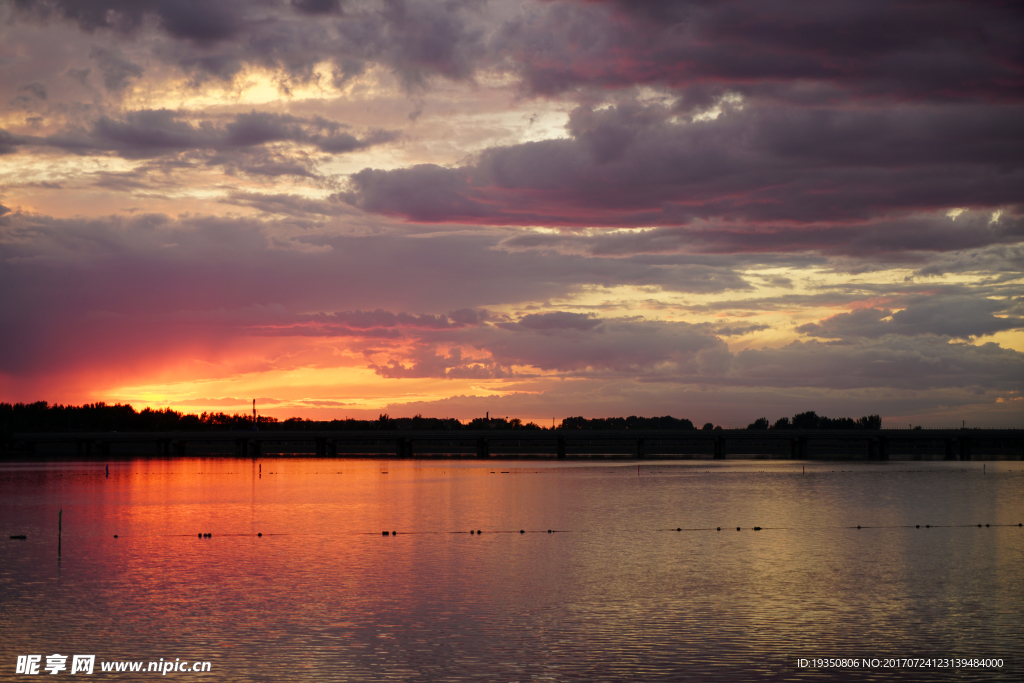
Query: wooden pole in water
point(60, 528)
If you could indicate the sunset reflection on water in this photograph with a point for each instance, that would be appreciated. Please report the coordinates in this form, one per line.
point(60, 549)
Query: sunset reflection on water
point(615, 592)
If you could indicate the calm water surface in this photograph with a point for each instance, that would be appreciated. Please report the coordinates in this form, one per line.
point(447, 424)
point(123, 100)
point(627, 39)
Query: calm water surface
point(615, 592)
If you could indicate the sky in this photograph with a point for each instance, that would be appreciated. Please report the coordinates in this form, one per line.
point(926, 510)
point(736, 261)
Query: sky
point(717, 210)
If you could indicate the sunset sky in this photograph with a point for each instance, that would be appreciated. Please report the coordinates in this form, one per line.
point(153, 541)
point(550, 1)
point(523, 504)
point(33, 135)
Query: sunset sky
point(717, 210)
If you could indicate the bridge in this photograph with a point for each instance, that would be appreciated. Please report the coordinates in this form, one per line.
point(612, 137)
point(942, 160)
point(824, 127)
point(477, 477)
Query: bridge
point(797, 444)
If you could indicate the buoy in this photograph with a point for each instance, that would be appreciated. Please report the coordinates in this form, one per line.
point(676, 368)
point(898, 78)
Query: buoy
point(260, 534)
point(986, 526)
point(737, 528)
point(678, 529)
point(522, 531)
point(199, 535)
point(471, 532)
point(383, 533)
point(757, 528)
point(19, 537)
point(979, 526)
point(858, 526)
point(115, 535)
point(918, 526)
point(394, 533)
point(549, 531)
point(927, 526)
point(719, 529)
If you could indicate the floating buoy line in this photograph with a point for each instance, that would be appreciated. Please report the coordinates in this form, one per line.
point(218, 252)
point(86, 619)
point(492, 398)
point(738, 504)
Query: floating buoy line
point(480, 532)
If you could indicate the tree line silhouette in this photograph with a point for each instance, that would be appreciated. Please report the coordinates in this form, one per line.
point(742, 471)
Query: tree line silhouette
point(811, 420)
point(100, 417)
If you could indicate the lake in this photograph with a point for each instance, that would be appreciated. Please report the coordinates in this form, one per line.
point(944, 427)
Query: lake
point(582, 571)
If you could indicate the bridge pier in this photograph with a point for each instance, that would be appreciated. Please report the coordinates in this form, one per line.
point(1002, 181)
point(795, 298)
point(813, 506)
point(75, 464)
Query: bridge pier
point(403, 448)
point(640, 448)
point(483, 448)
point(560, 447)
point(321, 448)
point(332, 448)
point(719, 447)
point(878, 448)
point(180, 447)
point(798, 448)
point(965, 448)
point(248, 447)
point(948, 447)
point(83, 447)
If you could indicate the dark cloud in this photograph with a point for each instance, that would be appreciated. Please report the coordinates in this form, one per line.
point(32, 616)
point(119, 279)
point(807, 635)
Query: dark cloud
point(288, 204)
point(629, 165)
point(893, 361)
point(36, 89)
point(189, 19)
point(380, 319)
point(79, 75)
point(317, 6)
point(794, 50)
point(10, 142)
point(414, 38)
point(910, 239)
point(791, 50)
point(240, 144)
point(558, 320)
point(427, 192)
point(117, 70)
point(265, 162)
point(129, 181)
point(996, 262)
point(199, 20)
point(738, 330)
point(959, 317)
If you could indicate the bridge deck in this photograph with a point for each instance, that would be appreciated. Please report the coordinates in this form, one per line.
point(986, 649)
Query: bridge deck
point(950, 444)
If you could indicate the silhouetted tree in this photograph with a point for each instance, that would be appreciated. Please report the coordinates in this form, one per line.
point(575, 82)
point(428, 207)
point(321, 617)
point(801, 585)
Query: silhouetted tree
point(808, 420)
point(870, 422)
point(43, 417)
point(631, 422)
